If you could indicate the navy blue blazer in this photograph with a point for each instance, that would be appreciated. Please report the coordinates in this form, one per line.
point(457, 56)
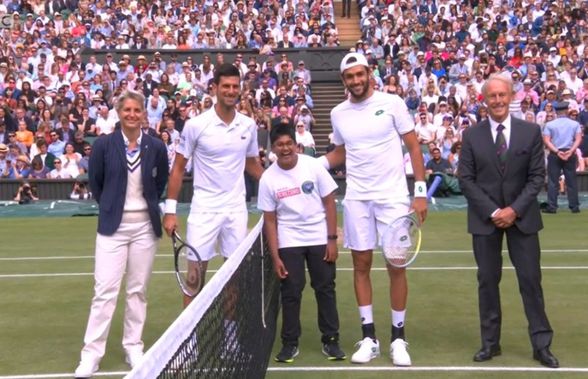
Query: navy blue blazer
point(107, 174)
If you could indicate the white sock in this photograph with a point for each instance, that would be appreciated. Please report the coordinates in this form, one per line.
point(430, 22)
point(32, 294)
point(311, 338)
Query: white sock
point(366, 314)
point(398, 318)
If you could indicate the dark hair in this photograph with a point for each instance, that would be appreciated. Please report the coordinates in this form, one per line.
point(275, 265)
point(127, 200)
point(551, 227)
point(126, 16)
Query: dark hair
point(282, 130)
point(225, 69)
point(37, 161)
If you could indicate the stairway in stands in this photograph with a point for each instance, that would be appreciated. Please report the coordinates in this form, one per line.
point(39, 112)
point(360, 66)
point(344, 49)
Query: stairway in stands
point(348, 28)
point(325, 96)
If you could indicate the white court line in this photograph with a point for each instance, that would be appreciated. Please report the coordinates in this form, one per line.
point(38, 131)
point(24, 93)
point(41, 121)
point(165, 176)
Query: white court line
point(350, 369)
point(340, 252)
point(62, 375)
point(450, 268)
point(428, 368)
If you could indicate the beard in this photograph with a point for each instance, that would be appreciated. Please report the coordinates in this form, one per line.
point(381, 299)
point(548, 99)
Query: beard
point(359, 92)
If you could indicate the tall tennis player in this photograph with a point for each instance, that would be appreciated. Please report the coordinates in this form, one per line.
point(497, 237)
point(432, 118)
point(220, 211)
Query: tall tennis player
point(368, 131)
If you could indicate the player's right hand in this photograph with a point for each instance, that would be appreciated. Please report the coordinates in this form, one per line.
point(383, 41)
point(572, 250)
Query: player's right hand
point(170, 223)
point(280, 269)
point(419, 205)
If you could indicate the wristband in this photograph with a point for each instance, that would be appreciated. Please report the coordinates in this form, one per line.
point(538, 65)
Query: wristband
point(420, 189)
point(332, 237)
point(170, 206)
point(324, 161)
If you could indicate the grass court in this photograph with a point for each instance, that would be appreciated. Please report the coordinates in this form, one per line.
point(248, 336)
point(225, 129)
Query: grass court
point(46, 282)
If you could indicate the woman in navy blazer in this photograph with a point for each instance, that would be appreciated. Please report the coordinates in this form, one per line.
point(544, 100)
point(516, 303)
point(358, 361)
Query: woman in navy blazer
point(128, 171)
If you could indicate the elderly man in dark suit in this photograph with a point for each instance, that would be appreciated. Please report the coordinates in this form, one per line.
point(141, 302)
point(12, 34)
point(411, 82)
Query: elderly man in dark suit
point(128, 171)
point(501, 171)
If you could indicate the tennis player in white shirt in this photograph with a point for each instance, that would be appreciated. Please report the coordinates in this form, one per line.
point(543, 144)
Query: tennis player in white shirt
point(368, 130)
point(222, 144)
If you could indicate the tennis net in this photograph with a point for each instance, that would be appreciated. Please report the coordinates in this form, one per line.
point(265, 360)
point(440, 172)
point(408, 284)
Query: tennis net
point(229, 328)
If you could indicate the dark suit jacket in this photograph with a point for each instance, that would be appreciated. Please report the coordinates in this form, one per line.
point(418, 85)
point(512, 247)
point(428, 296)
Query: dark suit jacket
point(487, 188)
point(148, 87)
point(48, 162)
point(60, 132)
point(108, 178)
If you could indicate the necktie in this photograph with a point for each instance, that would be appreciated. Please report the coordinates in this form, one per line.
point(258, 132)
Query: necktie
point(501, 146)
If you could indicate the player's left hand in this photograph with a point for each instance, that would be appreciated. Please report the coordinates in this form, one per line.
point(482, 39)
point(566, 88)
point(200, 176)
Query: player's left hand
point(419, 206)
point(332, 251)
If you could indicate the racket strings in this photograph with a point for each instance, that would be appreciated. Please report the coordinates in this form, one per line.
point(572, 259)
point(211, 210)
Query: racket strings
point(189, 270)
point(401, 242)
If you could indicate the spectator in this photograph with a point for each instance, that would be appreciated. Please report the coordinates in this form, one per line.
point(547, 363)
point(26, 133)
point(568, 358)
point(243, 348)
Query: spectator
point(438, 164)
point(104, 123)
point(71, 160)
point(304, 137)
point(80, 191)
point(453, 157)
point(38, 170)
point(58, 172)
point(25, 194)
point(562, 137)
point(85, 160)
point(13, 139)
point(304, 115)
point(65, 129)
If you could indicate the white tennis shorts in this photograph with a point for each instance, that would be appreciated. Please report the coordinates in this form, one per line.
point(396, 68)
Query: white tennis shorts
point(206, 230)
point(364, 221)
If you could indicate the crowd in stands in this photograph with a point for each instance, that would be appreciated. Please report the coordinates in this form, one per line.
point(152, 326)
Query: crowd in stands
point(53, 102)
point(436, 55)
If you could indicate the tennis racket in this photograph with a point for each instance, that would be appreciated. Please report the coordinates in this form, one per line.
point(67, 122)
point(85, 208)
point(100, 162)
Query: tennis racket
point(401, 241)
point(188, 266)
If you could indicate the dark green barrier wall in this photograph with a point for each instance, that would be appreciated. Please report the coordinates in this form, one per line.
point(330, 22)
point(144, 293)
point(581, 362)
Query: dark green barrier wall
point(322, 62)
point(60, 189)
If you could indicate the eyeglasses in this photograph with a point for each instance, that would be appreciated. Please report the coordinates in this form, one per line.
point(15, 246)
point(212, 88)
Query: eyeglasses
point(57, 162)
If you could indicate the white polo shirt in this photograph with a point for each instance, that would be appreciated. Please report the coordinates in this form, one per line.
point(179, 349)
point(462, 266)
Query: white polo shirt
point(218, 153)
point(371, 132)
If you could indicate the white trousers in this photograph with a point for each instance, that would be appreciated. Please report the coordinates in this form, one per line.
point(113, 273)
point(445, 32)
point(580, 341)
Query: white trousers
point(133, 248)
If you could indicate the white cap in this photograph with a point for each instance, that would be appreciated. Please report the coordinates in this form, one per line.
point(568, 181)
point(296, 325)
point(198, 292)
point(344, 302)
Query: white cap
point(352, 60)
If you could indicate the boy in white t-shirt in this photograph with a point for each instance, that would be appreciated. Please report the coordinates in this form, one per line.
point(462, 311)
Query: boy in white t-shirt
point(297, 196)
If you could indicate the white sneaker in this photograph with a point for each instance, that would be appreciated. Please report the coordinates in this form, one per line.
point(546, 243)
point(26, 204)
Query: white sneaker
point(134, 358)
point(86, 369)
point(399, 354)
point(368, 350)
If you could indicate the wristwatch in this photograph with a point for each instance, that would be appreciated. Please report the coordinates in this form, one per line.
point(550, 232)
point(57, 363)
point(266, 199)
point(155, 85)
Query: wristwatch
point(332, 237)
